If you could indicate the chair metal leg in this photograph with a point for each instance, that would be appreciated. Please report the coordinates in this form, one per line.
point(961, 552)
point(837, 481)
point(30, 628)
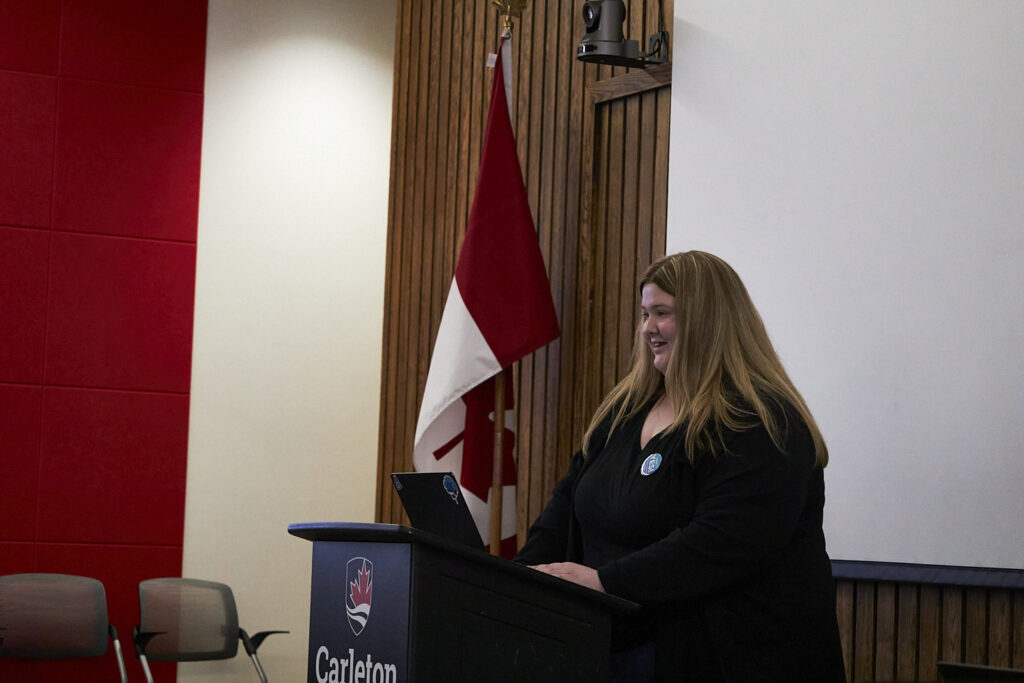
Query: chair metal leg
point(145, 668)
point(118, 654)
point(259, 668)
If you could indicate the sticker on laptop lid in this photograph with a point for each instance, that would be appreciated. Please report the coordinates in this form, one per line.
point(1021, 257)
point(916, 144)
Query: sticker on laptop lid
point(451, 487)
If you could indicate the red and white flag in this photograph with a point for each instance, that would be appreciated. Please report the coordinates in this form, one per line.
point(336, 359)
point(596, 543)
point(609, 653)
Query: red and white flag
point(499, 309)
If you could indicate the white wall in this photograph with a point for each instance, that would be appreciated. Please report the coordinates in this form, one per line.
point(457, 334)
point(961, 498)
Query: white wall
point(289, 299)
point(861, 165)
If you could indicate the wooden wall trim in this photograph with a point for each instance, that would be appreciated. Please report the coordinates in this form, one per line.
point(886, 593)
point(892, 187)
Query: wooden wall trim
point(632, 83)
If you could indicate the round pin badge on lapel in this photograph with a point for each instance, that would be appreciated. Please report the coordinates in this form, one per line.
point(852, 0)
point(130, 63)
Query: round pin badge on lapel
point(651, 464)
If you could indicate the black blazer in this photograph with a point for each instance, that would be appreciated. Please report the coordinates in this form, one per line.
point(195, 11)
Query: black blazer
point(741, 590)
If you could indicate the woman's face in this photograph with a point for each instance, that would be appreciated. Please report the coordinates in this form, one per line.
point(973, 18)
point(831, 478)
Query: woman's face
point(658, 313)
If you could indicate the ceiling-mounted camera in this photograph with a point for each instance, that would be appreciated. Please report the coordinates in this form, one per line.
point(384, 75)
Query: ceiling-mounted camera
point(604, 42)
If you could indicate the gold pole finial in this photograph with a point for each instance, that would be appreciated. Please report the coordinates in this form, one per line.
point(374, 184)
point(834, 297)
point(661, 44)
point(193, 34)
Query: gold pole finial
point(510, 9)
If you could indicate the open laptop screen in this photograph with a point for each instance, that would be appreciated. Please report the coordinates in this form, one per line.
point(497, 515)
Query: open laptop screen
point(434, 503)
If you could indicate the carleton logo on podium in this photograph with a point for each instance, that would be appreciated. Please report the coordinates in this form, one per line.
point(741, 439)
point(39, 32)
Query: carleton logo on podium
point(359, 579)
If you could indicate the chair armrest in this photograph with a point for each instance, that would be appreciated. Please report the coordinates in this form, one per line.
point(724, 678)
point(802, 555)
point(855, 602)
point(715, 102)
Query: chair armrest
point(252, 643)
point(142, 639)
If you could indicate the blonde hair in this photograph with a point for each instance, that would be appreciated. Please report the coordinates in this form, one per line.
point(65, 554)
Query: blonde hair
point(723, 372)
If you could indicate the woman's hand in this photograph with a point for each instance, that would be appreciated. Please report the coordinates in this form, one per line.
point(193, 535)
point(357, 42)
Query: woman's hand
point(570, 571)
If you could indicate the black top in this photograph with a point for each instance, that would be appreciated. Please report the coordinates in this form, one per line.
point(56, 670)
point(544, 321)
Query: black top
point(726, 555)
point(621, 510)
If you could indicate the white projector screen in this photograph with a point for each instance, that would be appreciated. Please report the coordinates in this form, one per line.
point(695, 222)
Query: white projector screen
point(861, 165)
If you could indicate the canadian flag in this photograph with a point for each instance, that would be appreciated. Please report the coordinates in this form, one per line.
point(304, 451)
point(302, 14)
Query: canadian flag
point(499, 309)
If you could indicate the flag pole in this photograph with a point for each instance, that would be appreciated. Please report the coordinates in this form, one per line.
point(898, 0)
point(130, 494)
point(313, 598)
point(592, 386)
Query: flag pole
point(510, 9)
point(497, 484)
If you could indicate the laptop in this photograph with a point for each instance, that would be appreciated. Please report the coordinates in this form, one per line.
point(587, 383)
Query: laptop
point(434, 503)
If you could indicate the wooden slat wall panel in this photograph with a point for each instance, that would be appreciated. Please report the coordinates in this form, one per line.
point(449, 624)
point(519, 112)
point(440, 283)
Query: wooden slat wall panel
point(595, 162)
point(910, 628)
point(442, 90)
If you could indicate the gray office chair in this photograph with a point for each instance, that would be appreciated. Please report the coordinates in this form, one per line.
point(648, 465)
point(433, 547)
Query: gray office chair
point(189, 620)
point(55, 616)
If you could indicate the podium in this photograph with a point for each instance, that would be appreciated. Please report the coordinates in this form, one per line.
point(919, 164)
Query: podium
point(393, 604)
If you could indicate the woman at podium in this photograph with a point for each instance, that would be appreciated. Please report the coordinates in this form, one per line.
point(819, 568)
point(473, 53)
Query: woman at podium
point(698, 494)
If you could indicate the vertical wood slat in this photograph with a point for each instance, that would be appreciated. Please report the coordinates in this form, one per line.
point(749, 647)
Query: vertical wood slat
point(907, 632)
point(660, 217)
point(885, 631)
point(1017, 656)
point(864, 651)
point(975, 626)
point(929, 633)
point(1000, 628)
point(951, 649)
point(845, 617)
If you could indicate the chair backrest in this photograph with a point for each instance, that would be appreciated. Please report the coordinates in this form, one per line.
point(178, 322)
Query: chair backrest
point(192, 620)
point(51, 616)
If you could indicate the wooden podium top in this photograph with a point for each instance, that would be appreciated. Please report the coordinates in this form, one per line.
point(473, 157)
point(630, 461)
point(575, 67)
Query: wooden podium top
point(353, 532)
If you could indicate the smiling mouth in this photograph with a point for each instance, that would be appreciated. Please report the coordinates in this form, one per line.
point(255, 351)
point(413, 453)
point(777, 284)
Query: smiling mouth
point(657, 346)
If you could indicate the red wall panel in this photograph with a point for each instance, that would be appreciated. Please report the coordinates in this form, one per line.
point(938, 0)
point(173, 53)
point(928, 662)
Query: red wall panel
point(100, 138)
point(29, 33)
point(23, 269)
point(127, 161)
point(112, 467)
point(19, 460)
point(120, 313)
point(16, 558)
point(26, 148)
point(160, 44)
